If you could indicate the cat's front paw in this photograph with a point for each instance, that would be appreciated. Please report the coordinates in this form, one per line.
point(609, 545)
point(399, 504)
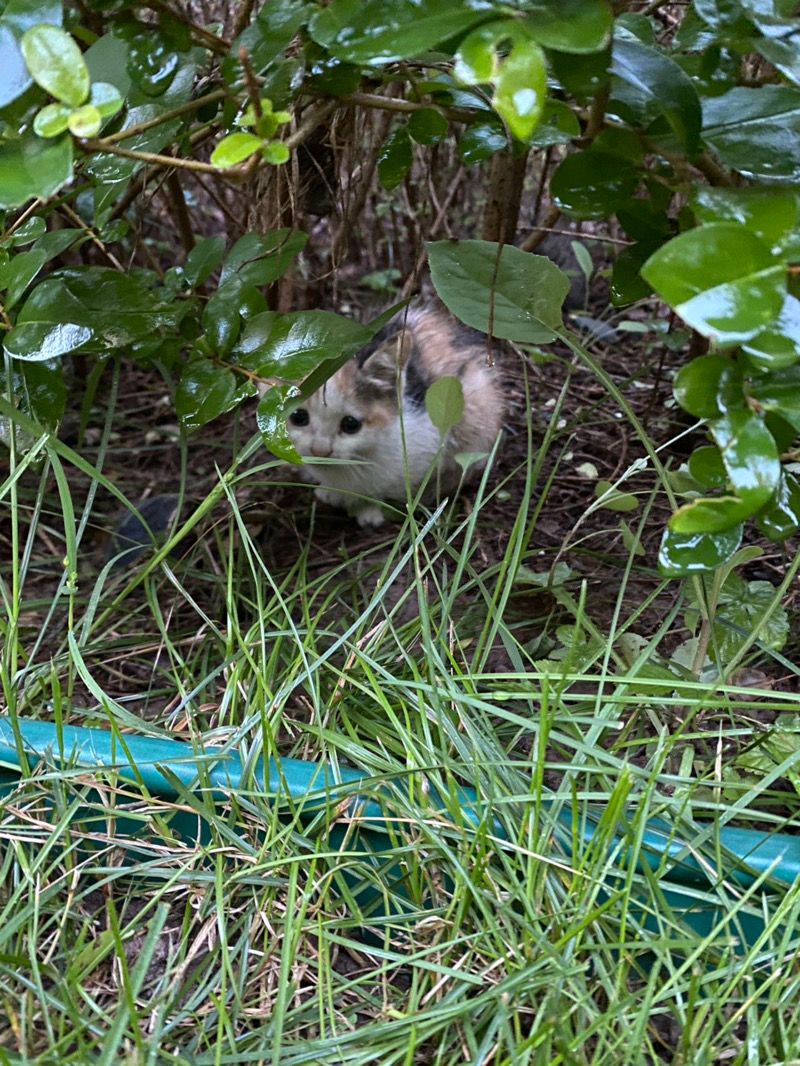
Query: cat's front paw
point(333, 499)
point(370, 517)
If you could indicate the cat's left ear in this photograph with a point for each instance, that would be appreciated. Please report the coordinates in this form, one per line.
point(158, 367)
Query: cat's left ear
point(380, 369)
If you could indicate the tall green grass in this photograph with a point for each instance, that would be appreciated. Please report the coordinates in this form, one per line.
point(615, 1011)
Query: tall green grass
point(425, 660)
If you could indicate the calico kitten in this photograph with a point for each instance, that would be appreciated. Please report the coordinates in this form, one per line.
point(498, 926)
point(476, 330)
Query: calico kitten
point(373, 411)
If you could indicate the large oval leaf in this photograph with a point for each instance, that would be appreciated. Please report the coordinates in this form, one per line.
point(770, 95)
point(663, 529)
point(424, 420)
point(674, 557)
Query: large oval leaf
point(207, 390)
point(516, 294)
point(750, 456)
point(593, 184)
point(271, 418)
point(780, 518)
point(756, 131)
point(574, 26)
point(681, 554)
point(56, 63)
point(32, 167)
point(290, 346)
point(40, 341)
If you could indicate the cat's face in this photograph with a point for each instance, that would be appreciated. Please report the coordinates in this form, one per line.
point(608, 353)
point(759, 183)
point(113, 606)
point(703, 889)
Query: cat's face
point(343, 420)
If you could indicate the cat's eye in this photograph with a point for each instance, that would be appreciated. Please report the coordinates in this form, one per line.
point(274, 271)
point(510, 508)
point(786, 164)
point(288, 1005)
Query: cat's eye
point(349, 424)
point(299, 417)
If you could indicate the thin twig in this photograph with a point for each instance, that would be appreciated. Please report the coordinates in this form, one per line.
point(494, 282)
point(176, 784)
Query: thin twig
point(166, 116)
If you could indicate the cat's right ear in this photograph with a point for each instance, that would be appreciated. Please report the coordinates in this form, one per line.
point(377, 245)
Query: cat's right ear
point(380, 370)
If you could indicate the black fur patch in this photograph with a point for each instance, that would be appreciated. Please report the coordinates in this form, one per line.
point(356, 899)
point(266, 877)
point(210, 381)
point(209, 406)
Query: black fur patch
point(416, 383)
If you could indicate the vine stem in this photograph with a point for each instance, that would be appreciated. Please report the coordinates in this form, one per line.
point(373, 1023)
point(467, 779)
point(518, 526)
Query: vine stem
point(167, 116)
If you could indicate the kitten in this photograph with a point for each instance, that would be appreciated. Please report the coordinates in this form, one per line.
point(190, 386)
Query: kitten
point(373, 411)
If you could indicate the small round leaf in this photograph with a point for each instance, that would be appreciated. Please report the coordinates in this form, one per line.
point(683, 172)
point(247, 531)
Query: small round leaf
point(52, 120)
point(106, 98)
point(85, 121)
point(235, 148)
point(521, 89)
point(276, 153)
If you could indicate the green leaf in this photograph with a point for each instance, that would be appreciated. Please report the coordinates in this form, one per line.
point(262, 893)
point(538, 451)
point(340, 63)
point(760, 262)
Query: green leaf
point(721, 280)
point(32, 167)
point(779, 391)
point(750, 456)
point(52, 120)
point(771, 213)
point(778, 346)
point(582, 76)
point(107, 61)
point(444, 402)
point(521, 89)
point(56, 63)
point(276, 153)
point(203, 260)
point(756, 131)
point(152, 61)
point(19, 273)
point(373, 33)
point(16, 77)
point(428, 126)
point(271, 419)
point(681, 554)
point(235, 148)
point(395, 158)
point(207, 391)
point(701, 386)
point(291, 346)
point(558, 125)
point(39, 391)
point(29, 231)
point(707, 467)
point(593, 184)
point(85, 121)
point(742, 605)
point(222, 316)
point(481, 141)
point(519, 294)
point(615, 500)
point(42, 341)
point(572, 26)
point(662, 83)
point(476, 60)
point(118, 309)
point(265, 39)
point(627, 284)
point(780, 517)
point(106, 98)
point(258, 260)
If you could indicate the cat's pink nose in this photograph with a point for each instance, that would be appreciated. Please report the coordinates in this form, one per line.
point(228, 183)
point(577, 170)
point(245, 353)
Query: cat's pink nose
point(320, 451)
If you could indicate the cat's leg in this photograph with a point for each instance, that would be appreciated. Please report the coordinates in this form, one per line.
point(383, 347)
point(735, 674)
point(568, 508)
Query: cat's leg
point(329, 496)
point(369, 515)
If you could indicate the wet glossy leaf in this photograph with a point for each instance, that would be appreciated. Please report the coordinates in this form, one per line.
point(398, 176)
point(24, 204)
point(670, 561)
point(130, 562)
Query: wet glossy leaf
point(750, 456)
point(235, 148)
point(271, 419)
point(701, 386)
point(52, 120)
point(662, 83)
point(206, 391)
point(85, 121)
point(395, 158)
point(520, 89)
point(780, 518)
point(582, 76)
point(56, 63)
point(39, 341)
point(593, 184)
point(428, 126)
point(644, 221)
point(559, 125)
point(203, 260)
point(152, 62)
point(780, 392)
point(444, 402)
point(265, 39)
point(721, 279)
point(573, 26)
point(117, 308)
point(33, 167)
point(771, 213)
point(707, 467)
point(681, 554)
point(107, 61)
point(291, 346)
point(521, 296)
point(373, 33)
point(756, 131)
point(29, 231)
point(39, 391)
point(17, 275)
point(222, 319)
point(482, 141)
point(710, 515)
point(778, 346)
point(258, 260)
